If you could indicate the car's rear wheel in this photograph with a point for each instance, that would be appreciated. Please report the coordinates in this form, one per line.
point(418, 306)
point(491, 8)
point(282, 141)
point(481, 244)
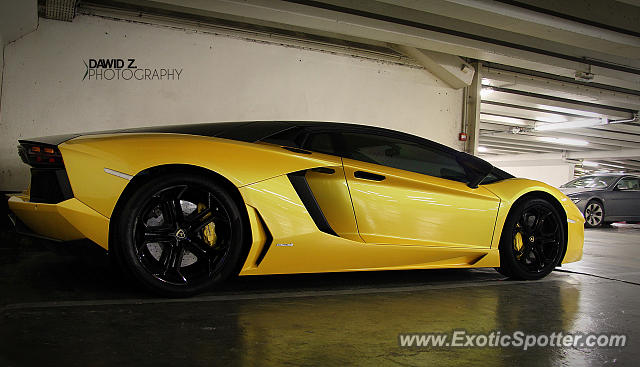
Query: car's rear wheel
point(533, 240)
point(179, 234)
point(594, 214)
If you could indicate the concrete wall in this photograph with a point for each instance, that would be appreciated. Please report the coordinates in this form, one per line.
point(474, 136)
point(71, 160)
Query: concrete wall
point(223, 78)
point(552, 174)
point(17, 18)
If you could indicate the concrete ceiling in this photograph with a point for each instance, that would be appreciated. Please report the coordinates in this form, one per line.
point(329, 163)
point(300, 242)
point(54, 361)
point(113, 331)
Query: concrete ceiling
point(544, 61)
point(480, 29)
point(514, 103)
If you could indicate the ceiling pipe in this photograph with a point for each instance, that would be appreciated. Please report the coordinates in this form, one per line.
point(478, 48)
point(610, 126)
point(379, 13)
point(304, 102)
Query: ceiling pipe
point(635, 118)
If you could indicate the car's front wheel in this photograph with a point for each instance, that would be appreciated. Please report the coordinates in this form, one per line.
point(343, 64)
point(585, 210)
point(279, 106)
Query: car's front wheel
point(533, 240)
point(179, 234)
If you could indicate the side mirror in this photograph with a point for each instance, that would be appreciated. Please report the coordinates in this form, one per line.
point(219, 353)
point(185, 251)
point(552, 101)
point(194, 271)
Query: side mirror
point(476, 168)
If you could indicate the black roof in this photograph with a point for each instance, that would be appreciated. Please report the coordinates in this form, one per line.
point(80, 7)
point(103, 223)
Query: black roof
point(248, 131)
point(212, 129)
point(254, 131)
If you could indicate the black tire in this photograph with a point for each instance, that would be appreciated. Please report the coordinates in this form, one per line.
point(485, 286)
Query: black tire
point(533, 240)
point(594, 214)
point(179, 234)
point(5, 222)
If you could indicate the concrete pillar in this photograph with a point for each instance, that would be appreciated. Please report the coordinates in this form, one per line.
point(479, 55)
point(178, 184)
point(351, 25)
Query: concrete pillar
point(1, 73)
point(473, 111)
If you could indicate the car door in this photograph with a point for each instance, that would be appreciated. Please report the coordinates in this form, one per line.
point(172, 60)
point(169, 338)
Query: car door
point(407, 192)
point(323, 190)
point(624, 200)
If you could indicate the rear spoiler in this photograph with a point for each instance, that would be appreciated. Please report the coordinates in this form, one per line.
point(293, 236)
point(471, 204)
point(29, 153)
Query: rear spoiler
point(53, 140)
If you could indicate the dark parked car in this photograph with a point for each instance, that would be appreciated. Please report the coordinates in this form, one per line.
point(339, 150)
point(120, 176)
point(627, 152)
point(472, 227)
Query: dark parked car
point(605, 198)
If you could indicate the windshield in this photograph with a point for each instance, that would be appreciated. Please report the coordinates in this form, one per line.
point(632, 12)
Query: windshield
point(591, 182)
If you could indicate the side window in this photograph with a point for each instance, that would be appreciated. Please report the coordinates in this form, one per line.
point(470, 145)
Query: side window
point(321, 143)
point(629, 183)
point(405, 155)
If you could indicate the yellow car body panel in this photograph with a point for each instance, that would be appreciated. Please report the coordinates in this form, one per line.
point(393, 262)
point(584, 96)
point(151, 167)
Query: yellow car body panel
point(330, 191)
point(65, 221)
point(241, 163)
point(298, 246)
point(436, 208)
point(407, 221)
point(511, 190)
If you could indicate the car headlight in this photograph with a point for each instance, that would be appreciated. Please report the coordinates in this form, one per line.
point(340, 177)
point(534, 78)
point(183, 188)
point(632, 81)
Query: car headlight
point(575, 200)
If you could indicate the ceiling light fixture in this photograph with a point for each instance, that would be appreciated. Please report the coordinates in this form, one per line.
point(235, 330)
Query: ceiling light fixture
point(590, 164)
point(563, 141)
point(485, 92)
point(484, 117)
point(482, 149)
point(575, 124)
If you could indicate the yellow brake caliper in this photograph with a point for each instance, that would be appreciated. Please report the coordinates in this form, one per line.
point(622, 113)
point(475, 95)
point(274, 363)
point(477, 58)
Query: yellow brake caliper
point(518, 243)
point(209, 231)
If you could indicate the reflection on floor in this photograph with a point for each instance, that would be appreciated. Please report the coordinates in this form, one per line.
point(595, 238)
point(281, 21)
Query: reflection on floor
point(65, 307)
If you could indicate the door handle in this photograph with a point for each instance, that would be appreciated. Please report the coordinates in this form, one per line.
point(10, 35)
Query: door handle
point(368, 176)
point(325, 170)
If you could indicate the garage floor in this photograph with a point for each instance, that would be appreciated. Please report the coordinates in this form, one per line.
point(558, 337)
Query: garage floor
point(66, 308)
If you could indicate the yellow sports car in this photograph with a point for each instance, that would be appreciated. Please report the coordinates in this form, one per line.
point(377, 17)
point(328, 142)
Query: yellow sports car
point(185, 207)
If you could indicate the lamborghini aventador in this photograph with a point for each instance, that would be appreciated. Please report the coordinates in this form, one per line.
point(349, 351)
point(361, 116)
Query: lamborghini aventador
point(182, 208)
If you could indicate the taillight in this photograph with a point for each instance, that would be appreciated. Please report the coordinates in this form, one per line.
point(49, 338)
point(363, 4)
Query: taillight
point(40, 155)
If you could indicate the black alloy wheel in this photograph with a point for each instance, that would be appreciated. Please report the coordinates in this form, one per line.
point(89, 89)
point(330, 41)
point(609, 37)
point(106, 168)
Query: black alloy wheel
point(180, 235)
point(533, 240)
